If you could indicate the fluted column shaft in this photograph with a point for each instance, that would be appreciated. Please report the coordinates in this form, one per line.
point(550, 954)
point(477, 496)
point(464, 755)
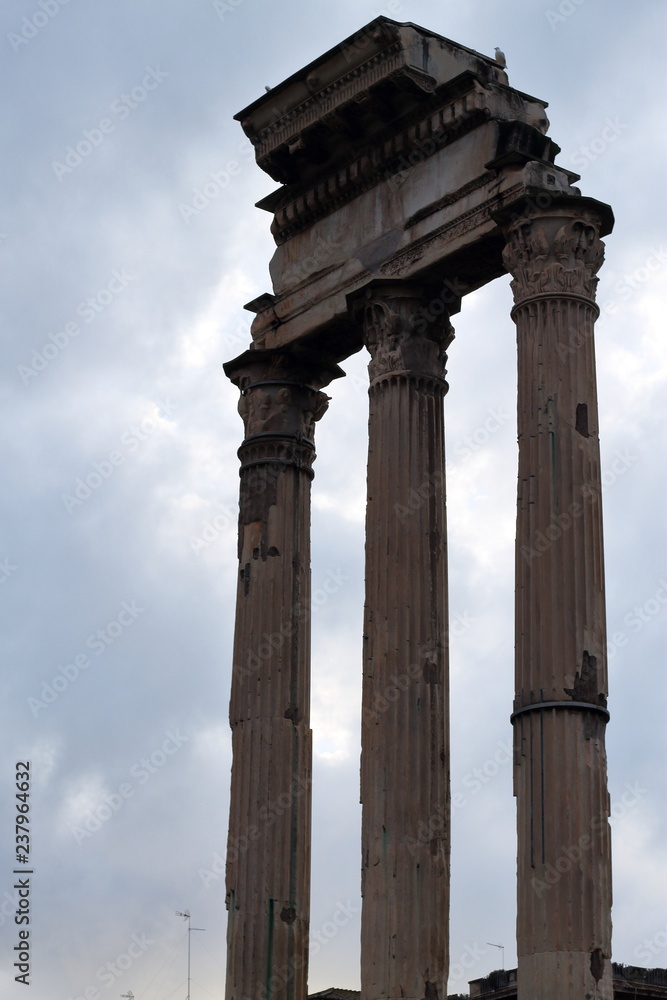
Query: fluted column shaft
point(268, 853)
point(405, 739)
point(560, 773)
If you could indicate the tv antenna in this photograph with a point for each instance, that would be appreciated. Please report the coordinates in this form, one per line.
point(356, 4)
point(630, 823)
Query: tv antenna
point(186, 916)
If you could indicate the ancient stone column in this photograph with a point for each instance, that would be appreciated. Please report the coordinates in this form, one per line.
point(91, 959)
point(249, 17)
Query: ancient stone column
point(560, 714)
point(405, 733)
point(268, 853)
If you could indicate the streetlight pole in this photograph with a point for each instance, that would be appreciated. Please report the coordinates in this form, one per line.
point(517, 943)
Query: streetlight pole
point(186, 916)
point(502, 948)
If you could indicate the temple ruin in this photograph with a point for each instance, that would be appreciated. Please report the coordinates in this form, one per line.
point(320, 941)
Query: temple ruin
point(411, 174)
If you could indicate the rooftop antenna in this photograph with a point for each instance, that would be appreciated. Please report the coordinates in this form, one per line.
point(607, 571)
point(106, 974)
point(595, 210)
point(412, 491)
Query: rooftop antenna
point(502, 948)
point(186, 916)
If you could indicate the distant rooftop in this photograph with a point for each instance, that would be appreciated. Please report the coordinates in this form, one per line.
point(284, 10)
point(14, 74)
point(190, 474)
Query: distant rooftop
point(630, 983)
point(335, 994)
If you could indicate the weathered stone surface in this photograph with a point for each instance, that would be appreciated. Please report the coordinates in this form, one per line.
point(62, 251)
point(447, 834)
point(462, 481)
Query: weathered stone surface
point(394, 149)
point(405, 730)
point(564, 853)
point(411, 174)
point(381, 74)
point(268, 853)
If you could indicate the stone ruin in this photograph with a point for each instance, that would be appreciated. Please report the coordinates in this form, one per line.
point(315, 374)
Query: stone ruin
point(412, 173)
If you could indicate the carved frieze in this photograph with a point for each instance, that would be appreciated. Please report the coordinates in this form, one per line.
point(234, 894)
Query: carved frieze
point(551, 255)
point(295, 209)
point(464, 223)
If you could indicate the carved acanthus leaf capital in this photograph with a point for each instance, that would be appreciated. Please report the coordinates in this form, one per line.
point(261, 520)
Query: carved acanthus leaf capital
point(405, 333)
point(551, 255)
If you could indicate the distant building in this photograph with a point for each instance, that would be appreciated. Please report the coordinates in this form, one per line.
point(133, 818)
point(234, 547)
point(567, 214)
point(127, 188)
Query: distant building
point(630, 983)
point(333, 994)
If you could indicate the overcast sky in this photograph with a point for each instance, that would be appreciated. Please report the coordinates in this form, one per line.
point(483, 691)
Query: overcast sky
point(120, 305)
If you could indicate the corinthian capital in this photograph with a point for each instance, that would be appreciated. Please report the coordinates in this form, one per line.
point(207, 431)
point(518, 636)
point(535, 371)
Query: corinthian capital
point(406, 329)
point(554, 252)
point(281, 392)
point(286, 409)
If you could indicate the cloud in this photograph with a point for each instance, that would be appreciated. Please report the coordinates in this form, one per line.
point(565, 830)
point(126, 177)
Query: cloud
point(141, 380)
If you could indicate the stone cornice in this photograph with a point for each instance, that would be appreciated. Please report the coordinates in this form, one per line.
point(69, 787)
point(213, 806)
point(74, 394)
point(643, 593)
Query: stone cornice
point(295, 211)
point(317, 106)
point(440, 120)
point(384, 71)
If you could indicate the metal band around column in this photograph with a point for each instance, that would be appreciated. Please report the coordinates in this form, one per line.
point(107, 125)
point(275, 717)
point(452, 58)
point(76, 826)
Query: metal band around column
point(582, 705)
